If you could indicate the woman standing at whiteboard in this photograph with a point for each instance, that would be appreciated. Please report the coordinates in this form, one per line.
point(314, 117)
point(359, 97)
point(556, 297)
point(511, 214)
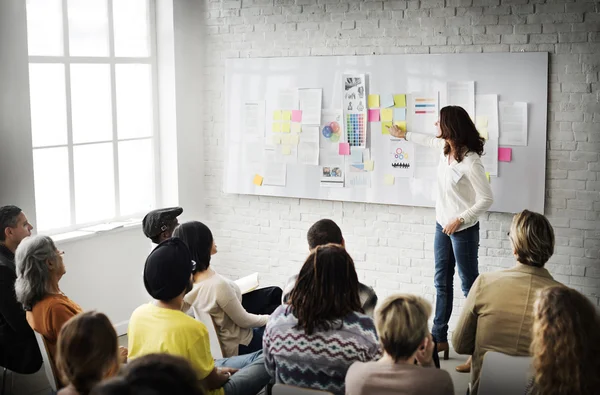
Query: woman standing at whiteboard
point(463, 194)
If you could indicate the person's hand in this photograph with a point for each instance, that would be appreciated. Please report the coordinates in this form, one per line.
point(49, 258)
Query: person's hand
point(452, 226)
point(123, 353)
point(397, 132)
point(231, 371)
point(425, 353)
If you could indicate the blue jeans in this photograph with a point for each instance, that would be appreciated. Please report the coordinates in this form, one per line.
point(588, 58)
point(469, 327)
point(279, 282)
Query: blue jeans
point(251, 377)
point(460, 249)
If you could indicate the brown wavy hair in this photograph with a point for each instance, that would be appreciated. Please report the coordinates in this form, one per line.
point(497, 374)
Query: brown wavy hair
point(460, 132)
point(326, 290)
point(566, 343)
point(87, 351)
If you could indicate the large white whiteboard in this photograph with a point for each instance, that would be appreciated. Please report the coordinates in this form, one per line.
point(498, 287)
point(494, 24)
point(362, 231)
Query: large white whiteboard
point(515, 77)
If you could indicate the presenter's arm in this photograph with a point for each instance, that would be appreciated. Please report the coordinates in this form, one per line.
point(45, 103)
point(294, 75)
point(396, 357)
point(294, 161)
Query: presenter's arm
point(418, 138)
point(483, 193)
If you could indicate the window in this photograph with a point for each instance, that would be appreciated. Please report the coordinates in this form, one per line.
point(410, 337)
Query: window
point(93, 110)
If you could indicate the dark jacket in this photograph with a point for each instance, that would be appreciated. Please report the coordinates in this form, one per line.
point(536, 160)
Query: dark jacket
point(19, 350)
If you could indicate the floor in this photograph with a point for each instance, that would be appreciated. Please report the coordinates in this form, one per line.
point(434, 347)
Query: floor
point(36, 384)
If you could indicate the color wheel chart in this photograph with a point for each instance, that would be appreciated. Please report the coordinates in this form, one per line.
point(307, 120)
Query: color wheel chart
point(425, 105)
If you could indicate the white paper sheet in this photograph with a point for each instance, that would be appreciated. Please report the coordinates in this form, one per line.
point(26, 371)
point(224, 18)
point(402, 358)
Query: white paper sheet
point(308, 153)
point(486, 113)
point(254, 151)
point(460, 93)
point(310, 134)
point(401, 159)
point(287, 99)
point(310, 104)
point(513, 123)
point(248, 283)
point(357, 177)
point(254, 119)
point(274, 173)
point(281, 157)
point(423, 112)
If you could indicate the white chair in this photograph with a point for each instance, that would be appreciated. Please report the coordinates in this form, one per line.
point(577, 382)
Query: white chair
point(282, 389)
point(48, 365)
point(504, 374)
point(215, 346)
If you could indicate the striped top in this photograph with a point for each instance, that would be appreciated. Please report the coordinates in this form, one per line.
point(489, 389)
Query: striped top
point(318, 361)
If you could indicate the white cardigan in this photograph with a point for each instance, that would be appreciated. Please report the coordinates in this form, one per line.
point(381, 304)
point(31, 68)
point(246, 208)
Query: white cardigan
point(463, 190)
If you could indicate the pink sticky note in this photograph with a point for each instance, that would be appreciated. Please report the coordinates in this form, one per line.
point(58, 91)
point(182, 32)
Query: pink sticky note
point(504, 154)
point(344, 149)
point(374, 115)
point(296, 116)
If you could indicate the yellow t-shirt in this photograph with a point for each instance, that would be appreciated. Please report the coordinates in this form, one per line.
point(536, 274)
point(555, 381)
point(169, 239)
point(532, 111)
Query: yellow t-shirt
point(153, 329)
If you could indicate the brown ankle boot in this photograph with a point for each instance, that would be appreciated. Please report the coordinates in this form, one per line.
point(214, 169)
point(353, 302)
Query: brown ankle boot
point(445, 348)
point(465, 367)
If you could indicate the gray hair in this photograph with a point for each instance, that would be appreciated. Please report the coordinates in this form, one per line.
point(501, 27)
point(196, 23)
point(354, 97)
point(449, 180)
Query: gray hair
point(32, 271)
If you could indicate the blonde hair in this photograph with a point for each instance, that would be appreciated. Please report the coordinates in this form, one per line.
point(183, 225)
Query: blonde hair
point(401, 322)
point(87, 351)
point(532, 238)
point(566, 343)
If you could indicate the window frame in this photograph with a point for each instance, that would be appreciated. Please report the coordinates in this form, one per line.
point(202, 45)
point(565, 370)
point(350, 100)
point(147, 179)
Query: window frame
point(112, 61)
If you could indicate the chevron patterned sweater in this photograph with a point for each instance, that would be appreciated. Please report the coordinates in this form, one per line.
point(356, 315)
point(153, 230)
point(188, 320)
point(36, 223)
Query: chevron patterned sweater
point(319, 361)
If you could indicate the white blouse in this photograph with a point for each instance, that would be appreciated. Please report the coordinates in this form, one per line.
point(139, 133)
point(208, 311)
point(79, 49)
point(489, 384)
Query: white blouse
point(463, 190)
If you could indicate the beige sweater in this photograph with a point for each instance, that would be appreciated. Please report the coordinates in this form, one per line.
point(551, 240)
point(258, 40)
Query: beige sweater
point(222, 299)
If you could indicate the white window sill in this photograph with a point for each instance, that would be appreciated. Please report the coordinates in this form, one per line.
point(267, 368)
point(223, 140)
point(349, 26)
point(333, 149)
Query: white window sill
point(91, 231)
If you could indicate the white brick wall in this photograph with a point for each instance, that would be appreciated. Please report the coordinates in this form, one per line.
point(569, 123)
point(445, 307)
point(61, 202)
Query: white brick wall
point(392, 245)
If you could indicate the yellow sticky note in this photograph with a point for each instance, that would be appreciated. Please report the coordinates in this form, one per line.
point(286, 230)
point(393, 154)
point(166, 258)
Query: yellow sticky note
point(483, 132)
point(373, 101)
point(295, 139)
point(285, 127)
point(399, 101)
point(286, 115)
point(276, 139)
point(296, 128)
point(369, 164)
point(387, 114)
point(286, 150)
point(277, 115)
point(276, 127)
point(286, 139)
point(481, 121)
point(401, 125)
point(487, 175)
point(257, 180)
point(389, 179)
point(385, 127)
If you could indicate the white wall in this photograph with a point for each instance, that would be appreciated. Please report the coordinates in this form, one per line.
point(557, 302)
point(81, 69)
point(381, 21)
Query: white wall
point(393, 245)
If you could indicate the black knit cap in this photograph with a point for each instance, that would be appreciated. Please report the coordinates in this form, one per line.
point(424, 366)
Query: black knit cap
point(167, 270)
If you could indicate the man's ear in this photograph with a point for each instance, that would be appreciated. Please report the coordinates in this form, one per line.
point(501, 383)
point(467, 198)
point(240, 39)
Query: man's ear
point(343, 242)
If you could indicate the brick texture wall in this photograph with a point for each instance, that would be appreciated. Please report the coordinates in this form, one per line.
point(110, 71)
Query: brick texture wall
point(393, 245)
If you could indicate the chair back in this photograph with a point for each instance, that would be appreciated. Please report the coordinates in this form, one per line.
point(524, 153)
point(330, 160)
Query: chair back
point(282, 389)
point(48, 363)
point(504, 374)
point(215, 346)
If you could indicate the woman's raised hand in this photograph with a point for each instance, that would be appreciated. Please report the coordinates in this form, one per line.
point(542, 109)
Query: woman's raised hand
point(397, 132)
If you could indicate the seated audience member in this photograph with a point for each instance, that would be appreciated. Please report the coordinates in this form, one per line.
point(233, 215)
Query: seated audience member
point(158, 225)
point(566, 344)
point(401, 323)
point(19, 351)
point(87, 352)
point(154, 374)
point(40, 267)
point(313, 341)
point(498, 313)
point(239, 331)
point(322, 232)
point(161, 326)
